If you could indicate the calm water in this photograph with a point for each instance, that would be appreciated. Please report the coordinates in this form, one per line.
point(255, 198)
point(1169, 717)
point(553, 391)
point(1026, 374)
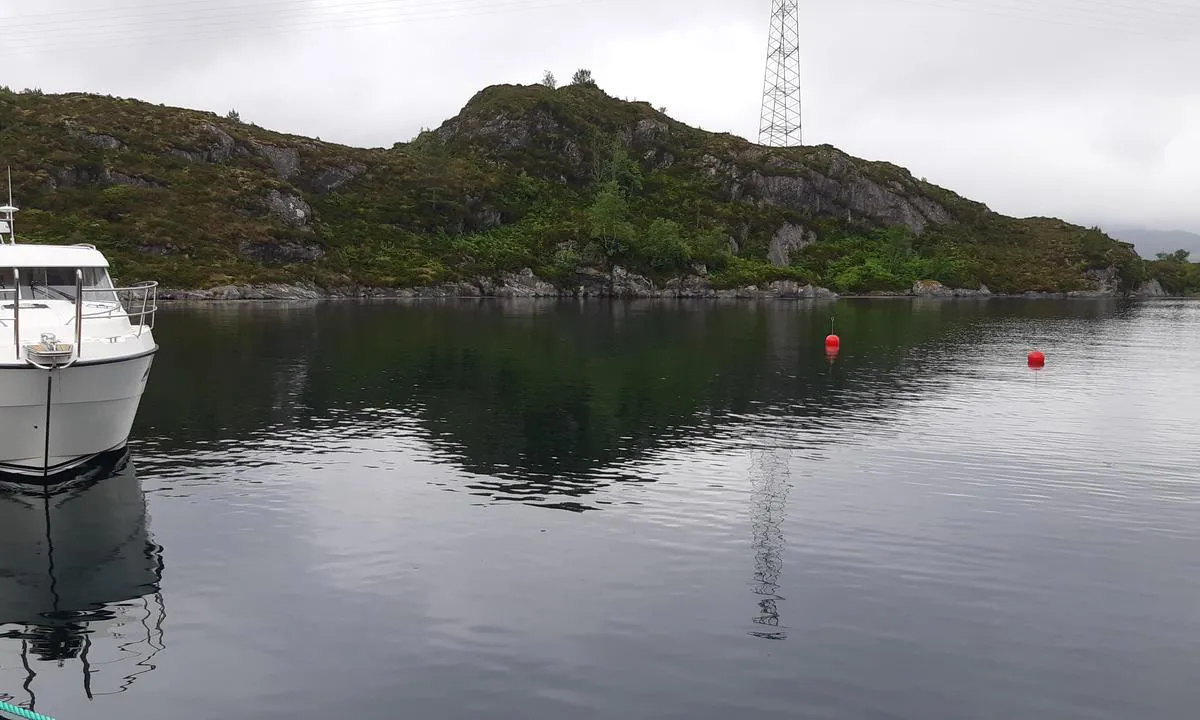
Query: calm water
point(647, 510)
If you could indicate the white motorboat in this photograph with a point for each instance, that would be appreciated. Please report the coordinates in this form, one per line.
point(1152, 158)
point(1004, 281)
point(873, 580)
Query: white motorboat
point(77, 359)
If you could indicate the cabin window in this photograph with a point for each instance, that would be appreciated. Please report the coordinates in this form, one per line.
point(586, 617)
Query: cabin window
point(96, 281)
point(58, 283)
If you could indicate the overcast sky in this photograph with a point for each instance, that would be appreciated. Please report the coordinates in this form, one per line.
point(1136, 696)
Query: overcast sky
point(1083, 109)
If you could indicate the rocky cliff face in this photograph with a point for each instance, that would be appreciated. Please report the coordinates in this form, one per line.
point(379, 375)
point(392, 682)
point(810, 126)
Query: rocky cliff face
point(816, 181)
point(1150, 289)
point(837, 188)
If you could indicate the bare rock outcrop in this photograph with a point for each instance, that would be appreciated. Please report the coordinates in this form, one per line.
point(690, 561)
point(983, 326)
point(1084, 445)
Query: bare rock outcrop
point(283, 252)
point(1150, 289)
point(289, 208)
point(787, 240)
point(519, 284)
point(100, 141)
point(331, 178)
point(627, 284)
point(211, 145)
point(934, 289)
point(856, 197)
point(285, 160)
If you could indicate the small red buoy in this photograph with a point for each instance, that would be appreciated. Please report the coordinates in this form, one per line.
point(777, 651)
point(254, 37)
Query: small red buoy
point(832, 342)
point(1037, 359)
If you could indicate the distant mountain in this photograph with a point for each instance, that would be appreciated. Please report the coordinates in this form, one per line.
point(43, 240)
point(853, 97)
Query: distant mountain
point(1149, 242)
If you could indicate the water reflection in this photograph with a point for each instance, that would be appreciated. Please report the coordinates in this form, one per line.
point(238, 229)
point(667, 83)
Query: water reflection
point(542, 402)
point(770, 480)
point(79, 582)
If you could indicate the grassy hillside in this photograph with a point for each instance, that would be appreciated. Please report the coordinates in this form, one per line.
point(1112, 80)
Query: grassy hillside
point(565, 181)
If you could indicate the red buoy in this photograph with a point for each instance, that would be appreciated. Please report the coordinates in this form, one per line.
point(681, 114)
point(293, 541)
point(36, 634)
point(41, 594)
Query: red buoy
point(1037, 359)
point(832, 342)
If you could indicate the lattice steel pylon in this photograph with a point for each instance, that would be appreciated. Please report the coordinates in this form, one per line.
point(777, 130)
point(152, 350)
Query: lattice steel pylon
point(779, 124)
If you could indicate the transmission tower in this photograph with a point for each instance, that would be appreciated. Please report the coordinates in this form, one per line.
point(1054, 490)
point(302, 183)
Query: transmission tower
point(779, 125)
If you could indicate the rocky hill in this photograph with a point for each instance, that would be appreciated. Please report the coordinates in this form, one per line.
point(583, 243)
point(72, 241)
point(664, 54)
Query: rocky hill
point(528, 190)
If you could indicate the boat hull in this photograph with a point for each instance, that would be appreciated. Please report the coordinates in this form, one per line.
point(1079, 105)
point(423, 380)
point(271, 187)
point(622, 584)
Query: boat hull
point(92, 407)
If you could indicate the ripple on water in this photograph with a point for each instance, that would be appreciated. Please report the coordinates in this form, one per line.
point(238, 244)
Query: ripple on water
point(926, 528)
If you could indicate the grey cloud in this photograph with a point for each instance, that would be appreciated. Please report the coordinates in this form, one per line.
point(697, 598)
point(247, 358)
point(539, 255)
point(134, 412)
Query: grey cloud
point(1139, 134)
point(1058, 107)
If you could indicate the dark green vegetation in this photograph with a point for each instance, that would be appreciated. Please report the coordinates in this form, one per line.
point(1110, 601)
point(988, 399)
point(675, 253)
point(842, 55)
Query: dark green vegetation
point(1176, 273)
point(565, 181)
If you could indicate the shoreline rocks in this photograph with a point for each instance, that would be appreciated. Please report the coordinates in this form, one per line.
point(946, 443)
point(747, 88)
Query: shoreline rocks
point(617, 284)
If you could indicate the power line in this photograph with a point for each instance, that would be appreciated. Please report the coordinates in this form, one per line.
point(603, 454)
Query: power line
point(224, 20)
point(142, 8)
point(1088, 8)
point(1192, 10)
point(372, 18)
point(1161, 6)
point(1068, 10)
point(997, 9)
point(209, 11)
point(236, 15)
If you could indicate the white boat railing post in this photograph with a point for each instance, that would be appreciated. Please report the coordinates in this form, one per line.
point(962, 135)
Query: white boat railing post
point(78, 313)
point(142, 317)
point(17, 311)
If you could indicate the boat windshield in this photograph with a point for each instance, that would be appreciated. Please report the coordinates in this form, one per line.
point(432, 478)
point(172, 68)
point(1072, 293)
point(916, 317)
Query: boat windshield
point(58, 283)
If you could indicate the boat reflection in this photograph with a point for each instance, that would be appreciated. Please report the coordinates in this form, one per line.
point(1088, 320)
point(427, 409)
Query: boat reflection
point(79, 582)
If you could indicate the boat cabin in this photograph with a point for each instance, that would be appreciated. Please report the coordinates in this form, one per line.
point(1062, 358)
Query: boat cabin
point(55, 272)
point(51, 294)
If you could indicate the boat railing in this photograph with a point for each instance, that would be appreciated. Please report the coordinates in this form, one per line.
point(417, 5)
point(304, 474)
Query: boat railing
point(137, 303)
point(134, 301)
